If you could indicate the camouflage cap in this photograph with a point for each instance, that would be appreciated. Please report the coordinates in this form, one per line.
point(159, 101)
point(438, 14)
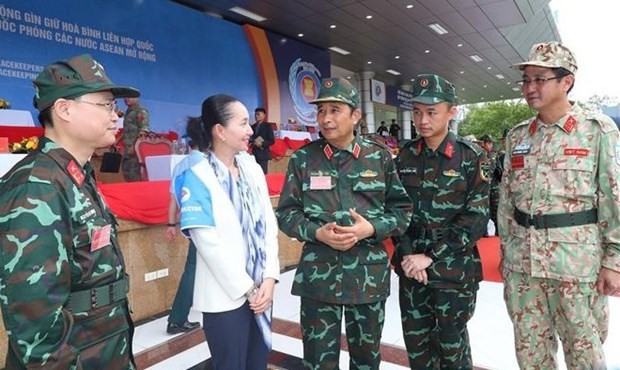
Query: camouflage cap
point(433, 89)
point(472, 138)
point(338, 89)
point(72, 78)
point(550, 55)
point(486, 138)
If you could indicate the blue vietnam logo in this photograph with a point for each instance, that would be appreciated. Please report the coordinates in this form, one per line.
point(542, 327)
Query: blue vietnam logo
point(304, 80)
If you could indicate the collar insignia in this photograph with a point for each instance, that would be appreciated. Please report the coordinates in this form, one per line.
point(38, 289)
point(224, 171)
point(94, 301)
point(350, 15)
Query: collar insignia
point(533, 126)
point(570, 124)
point(449, 151)
point(76, 173)
point(329, 153)
point(356, 150)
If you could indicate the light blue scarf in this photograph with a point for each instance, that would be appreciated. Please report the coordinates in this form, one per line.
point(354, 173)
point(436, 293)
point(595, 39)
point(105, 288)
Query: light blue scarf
point(245, 196)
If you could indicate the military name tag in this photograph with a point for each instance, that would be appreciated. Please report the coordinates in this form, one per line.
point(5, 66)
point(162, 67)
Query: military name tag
point(408, 171)
point(523, 148)
point(320, 182)
point(100, 237)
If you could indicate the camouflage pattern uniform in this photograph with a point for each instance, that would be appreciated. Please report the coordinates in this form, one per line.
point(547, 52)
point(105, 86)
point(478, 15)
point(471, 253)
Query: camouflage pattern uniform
point(64, 304)
point(49, 207)
point(356, 281)
point(136, 120)
point(494, 187)
point(550, 267)
point(449, 188)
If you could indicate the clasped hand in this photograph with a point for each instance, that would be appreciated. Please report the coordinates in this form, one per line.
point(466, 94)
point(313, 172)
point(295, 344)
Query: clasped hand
point(415, 265)
point(261, 300)
point(343, 238)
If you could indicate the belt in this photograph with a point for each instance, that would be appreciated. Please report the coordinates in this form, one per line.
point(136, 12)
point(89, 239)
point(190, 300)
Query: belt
point(434, 234)
point(556, 220)
point(90, 299)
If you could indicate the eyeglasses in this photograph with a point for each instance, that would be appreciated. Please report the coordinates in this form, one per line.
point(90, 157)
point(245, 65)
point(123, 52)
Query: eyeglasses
point(538, 81)
point(109, 106)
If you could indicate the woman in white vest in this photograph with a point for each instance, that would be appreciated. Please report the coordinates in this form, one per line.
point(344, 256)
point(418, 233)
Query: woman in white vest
point(225, 209)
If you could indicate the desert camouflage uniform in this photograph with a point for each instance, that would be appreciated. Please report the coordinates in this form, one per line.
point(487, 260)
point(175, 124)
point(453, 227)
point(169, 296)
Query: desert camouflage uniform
point(450, 192)
point(136, 120)
point(550, 273)
point(49, 209)
point(329, 281)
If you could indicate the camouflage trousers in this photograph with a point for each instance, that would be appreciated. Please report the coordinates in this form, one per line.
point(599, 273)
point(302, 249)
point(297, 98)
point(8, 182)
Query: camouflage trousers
point(321, 330)
point(131, 168)
point(434, 324)
point(543, 309)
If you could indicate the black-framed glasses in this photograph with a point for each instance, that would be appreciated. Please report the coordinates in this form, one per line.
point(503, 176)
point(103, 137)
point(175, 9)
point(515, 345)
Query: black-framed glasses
point(538, 81)
point(109, 106)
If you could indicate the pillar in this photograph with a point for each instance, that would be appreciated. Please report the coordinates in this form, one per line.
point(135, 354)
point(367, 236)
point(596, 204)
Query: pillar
point(368, 108)
point(406, 116)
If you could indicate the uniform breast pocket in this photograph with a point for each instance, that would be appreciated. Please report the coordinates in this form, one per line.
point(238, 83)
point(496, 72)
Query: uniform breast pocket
point(319, 190)
point(450, 190)
point(521, 174)
point(573, 177)
point(93, 251)
point(370, 191)
point(410, 180)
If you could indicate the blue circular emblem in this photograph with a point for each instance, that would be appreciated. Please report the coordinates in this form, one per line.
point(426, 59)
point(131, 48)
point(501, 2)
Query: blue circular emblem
point(304, 80)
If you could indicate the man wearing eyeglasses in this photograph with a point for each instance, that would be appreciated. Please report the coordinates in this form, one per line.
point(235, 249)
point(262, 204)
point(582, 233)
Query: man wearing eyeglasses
point(136, 120)
point(63, 280)
point(559, 219)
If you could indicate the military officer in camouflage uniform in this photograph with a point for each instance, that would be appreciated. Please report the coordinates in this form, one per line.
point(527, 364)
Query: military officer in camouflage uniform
point(136, 120)
point(342, 197)
point(447, 177)
point(486, 142)
point(63, 281)
point(559, 219)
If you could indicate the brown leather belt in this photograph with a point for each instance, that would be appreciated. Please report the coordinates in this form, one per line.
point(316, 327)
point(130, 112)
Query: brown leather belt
point(556, 220)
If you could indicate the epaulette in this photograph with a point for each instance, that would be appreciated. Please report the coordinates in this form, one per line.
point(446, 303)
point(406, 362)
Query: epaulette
point(372, 141)
point(473, 146)
point(311, 142)
point(605, 122)
point(410, 143)
point(525, 123)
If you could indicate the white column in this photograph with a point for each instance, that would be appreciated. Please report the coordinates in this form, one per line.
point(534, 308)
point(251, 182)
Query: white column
point(367, 105)
point(406, 115)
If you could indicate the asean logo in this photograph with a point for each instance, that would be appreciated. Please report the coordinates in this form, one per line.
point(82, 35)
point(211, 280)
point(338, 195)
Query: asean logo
point(304, 80)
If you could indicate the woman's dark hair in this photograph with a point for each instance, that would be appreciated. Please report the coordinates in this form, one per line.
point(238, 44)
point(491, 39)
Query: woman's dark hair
point(194, 132)
point(560, 73)
point(215, 109)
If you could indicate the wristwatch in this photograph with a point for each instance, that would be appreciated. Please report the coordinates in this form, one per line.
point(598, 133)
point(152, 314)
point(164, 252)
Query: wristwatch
point(253, 290)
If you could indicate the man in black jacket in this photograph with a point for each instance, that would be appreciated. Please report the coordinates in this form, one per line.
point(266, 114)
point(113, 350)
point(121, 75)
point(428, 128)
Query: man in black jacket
point(262, 138)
